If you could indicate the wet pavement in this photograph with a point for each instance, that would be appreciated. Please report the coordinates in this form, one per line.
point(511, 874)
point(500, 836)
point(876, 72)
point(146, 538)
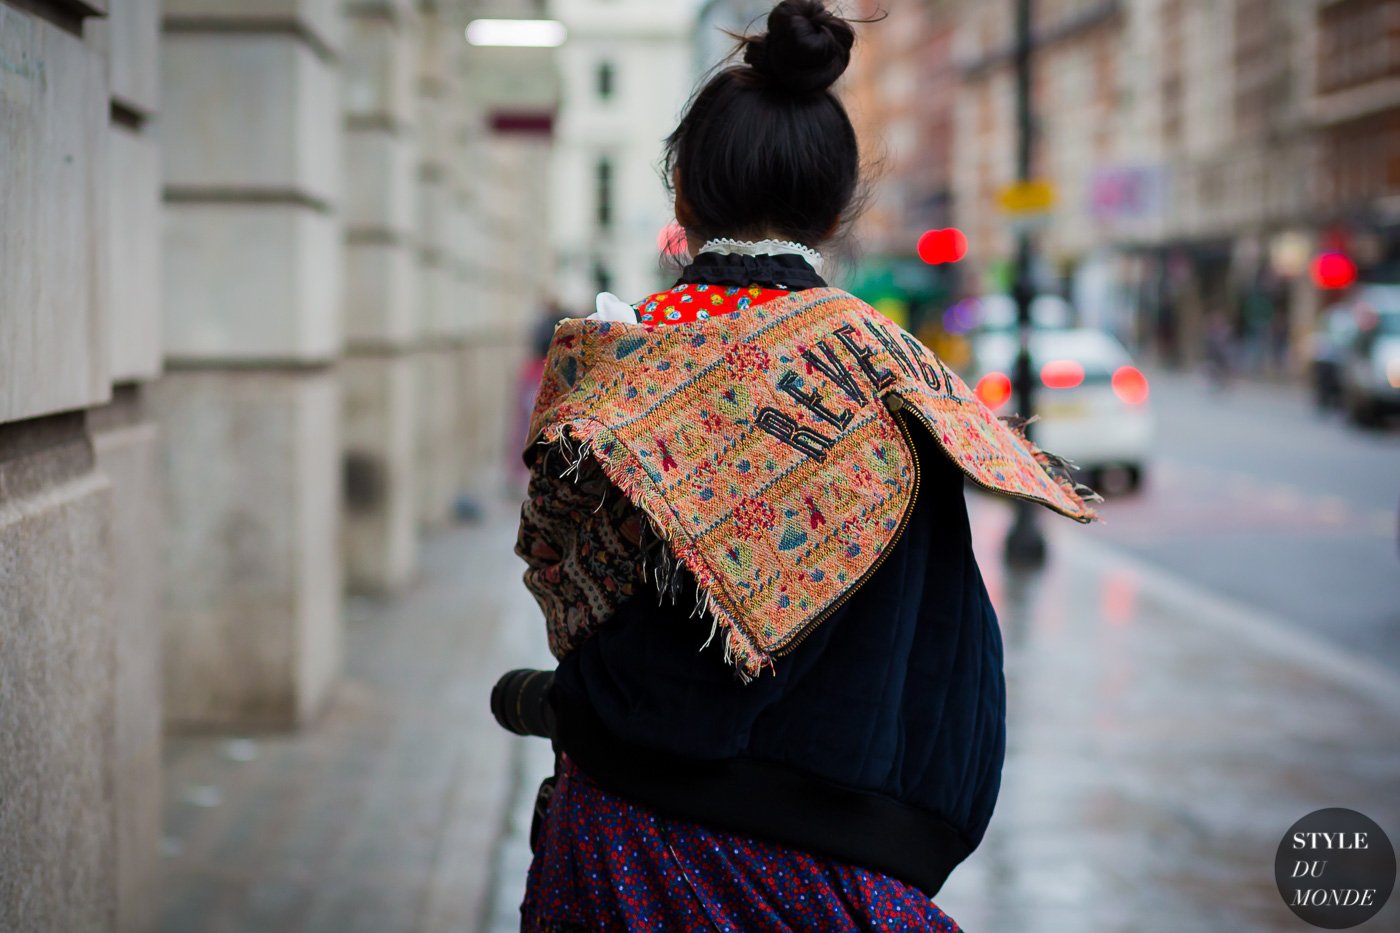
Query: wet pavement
point(1255, 494)
point(1161, 741)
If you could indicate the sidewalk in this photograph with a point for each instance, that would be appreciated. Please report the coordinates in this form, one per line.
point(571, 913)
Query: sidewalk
point(384, 815)
point(1161, 741)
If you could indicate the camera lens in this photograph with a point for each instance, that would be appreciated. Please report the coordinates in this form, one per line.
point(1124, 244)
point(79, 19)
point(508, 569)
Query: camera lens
point(520, 702)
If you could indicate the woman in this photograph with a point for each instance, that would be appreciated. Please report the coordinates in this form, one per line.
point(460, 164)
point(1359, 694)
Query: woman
point(779, 700)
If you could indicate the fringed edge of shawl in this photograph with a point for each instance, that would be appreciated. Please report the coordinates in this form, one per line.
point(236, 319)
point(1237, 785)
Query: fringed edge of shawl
point(1059, 469)
point(666, 555)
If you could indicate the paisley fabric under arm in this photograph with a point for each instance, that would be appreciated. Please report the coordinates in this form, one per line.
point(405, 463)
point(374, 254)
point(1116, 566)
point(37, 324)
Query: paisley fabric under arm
point(581, 544)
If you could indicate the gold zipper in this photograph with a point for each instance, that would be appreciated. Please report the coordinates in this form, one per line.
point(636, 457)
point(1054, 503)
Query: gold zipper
point(895, 407)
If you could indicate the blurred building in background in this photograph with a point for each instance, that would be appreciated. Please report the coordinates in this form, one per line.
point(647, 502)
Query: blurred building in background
point(901, 91)
point(1354, 100)
point(716, 24)
point(626, 73)
point(264, 275)
point(1202, 154)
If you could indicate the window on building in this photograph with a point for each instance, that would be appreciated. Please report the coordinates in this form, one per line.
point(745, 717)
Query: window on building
point(603, 186)
point(606, 80)
point(602, 277)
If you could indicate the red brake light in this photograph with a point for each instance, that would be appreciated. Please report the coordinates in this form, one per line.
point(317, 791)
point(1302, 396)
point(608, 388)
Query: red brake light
point(1130, 385)
point(1333, 270)
point(994, 389)
point(1061, 374)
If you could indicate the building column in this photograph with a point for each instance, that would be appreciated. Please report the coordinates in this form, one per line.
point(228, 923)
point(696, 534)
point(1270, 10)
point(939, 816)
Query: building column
point(250, 407)
point(442, 440)
point(512, 194)
point(382, 301)
point(58, 627)
point(127, 445)
point(509, 101)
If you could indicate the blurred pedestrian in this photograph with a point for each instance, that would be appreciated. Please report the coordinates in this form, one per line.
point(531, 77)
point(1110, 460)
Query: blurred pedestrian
point(1220, 350)
point(527, 382)
point(782, 465)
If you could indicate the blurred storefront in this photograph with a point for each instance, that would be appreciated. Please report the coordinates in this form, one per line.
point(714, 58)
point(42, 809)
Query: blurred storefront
point(1197, 150)
point(265, 272)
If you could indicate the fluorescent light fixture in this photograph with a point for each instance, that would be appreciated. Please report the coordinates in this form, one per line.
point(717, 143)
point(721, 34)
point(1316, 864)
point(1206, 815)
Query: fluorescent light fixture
point(520, 33)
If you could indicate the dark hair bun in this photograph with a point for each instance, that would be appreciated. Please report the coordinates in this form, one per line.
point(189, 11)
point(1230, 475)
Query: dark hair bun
point(806, 48)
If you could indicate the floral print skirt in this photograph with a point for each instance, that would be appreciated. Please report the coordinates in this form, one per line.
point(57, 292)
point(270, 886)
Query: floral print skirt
point(603, 864)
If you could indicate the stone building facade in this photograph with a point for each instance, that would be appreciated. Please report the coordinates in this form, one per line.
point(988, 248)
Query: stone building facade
point(626, 73)
point(1356, 105)
point(1183, 139)
point(900, 91)
point(263, 284)
point(1201, 151)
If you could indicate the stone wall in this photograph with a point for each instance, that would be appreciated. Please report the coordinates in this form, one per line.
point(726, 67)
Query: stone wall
point(256, 279)
point(80, 575)
point(254, 324)
point(57, 678)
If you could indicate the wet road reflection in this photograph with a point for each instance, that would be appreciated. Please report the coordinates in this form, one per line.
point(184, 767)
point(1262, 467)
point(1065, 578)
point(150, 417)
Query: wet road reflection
point(1160, 744)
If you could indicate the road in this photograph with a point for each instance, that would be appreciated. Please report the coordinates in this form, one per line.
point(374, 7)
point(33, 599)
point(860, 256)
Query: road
point(1257, 497)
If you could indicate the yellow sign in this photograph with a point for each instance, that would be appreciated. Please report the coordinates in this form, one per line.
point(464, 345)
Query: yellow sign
point(1027, 197)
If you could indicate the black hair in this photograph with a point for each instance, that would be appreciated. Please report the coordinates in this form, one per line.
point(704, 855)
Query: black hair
point(765, 147)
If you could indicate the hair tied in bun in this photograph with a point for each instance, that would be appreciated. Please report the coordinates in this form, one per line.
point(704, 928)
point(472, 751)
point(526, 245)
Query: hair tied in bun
point(806, 48)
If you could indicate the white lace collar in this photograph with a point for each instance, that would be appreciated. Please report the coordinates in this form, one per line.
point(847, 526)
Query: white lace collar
point(724, 246)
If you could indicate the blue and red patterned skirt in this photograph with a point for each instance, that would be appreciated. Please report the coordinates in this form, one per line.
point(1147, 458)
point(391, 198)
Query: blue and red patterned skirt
point(603, 864)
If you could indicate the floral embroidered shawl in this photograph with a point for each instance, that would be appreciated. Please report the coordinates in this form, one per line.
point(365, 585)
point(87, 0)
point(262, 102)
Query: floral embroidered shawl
point(764, 451)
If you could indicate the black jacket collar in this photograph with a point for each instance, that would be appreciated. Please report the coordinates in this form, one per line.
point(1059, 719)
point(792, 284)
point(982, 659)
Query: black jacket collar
point(786, 271)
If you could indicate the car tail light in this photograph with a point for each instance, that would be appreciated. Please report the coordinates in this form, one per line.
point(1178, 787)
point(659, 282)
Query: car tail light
point(1062, 374)
point(994, 389)
point(1130, 385)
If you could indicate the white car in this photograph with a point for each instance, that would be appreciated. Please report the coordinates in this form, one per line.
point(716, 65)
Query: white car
point(1092, 400)
point(1370, 372)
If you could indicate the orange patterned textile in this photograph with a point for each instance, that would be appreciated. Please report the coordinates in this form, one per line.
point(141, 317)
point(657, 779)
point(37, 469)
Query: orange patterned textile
point(768, 452)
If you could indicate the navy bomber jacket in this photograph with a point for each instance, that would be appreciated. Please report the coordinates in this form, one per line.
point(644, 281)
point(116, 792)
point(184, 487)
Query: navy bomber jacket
point(878, 740)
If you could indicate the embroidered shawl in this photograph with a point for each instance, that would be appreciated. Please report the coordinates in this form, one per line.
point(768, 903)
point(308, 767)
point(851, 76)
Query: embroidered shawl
point(766, 451)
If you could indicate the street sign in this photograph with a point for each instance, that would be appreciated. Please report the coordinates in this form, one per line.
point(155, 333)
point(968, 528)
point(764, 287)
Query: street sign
point(1035, 196)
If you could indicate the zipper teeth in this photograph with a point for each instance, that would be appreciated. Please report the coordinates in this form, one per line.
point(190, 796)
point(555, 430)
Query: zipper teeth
point(901, 408)
point(826, 613)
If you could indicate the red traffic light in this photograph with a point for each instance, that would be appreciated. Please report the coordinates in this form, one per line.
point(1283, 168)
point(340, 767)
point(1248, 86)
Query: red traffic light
point(940, 246)
point(1333, 270)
